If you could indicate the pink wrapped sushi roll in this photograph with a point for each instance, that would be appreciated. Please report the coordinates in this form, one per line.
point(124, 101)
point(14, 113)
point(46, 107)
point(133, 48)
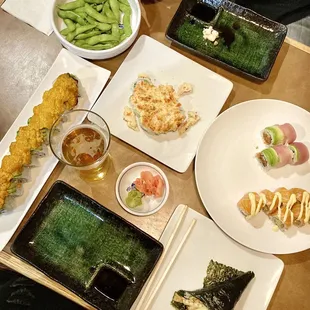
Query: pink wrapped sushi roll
point(300, 153)
point(275, 156)
point(279, 134)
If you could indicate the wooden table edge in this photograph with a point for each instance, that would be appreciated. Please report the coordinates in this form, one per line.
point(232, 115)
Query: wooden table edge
point(297, 44)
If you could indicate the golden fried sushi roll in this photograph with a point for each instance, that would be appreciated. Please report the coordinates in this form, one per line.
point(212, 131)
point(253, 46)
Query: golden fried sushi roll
point(251, 204)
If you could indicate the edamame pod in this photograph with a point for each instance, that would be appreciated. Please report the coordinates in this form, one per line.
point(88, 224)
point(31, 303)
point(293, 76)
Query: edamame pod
point(65, 31)
point(78, 31)
point(99, 7)
point(107, 11)
point(103, 27)
point(125, 2)
point(71, 5)
point(125, 8)
point(91, 20)
point(115, 30)
point(101, 38)
point(98, 46)
point(94, 1)
point(94, 14)
point(79, 10)
point(73, 16)
point(114, 4)
point(70, 24)
point(126, 23)
point(79, 43)
point(87, 35)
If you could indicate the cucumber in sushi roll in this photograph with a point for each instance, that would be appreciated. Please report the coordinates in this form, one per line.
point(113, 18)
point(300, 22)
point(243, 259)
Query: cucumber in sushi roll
point(279, 134)
point(300, 153)
point(15, 189)
point(220, 296)
point(275, 156)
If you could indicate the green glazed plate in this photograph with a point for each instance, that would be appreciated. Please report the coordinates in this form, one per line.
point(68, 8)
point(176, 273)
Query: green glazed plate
point(248, 42)
point(87, 248)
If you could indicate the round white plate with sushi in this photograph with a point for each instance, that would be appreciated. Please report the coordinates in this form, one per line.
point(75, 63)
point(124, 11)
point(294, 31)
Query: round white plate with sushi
point(256, 193)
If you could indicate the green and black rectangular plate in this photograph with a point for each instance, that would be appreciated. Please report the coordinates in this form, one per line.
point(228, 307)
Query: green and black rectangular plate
point(87, 248)
point(248, 43)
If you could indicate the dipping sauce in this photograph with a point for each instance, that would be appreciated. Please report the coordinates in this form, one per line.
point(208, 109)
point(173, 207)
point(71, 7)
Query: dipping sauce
point(111, 284)
point(83, 146)
point(203, 12)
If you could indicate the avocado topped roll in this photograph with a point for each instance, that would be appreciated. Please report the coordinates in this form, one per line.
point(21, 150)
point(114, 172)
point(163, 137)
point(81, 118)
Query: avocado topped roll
point(275, 156)
point(279, 134)
point(300, 153)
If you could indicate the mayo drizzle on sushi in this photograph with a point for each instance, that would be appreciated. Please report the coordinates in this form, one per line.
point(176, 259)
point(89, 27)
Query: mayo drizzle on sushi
point(288, 211)
point(278, 196)
point(255, 209)
point(304, 204)
point(307, 216)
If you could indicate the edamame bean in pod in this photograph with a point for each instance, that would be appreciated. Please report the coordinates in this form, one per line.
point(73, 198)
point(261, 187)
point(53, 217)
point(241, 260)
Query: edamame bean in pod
point(94, 14)
point(103, 27)
point(94, 1)
point(99, 7)
point(101, 38)
point(115, 30)
point(70, 15)
point(70, 24)
point(87, 35)
point(98, 46)
point(78, 31)
point(107, 11)
point(114, 4)
point(71, 5)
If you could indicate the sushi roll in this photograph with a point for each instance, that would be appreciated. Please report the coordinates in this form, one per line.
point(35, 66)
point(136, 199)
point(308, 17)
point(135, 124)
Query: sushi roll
point(300, 153)
point(275, 157)
point(279, 134)
point(220, 296)
point(251, 204)
point(284, 218)
point(299, 209)
point(272, 201)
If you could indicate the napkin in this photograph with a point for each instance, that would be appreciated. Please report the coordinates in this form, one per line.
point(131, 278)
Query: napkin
point(36, 13)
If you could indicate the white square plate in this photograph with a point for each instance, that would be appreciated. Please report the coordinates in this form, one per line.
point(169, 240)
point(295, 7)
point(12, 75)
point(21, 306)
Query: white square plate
point(207, 242)
point(91, 81)
point(166, 66)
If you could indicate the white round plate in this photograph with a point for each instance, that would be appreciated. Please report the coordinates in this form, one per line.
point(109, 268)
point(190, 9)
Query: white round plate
point(226, 169)
point(150, 205)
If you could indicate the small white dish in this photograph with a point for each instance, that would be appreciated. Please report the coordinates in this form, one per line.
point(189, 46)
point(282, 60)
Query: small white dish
point(58, 24)
point(164, 66)
point(150, 205)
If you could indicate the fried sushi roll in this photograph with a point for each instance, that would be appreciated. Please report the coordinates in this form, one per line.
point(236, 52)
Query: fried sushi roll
point(275, 157)
point(273, 200)
point(279, 134)
point(300, 153)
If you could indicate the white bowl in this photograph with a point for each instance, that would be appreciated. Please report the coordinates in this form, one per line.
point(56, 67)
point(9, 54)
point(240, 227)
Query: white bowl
point(127, 176)
point(58, 25)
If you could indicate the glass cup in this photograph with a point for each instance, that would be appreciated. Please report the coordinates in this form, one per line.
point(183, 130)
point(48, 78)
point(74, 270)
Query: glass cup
point(81, 139)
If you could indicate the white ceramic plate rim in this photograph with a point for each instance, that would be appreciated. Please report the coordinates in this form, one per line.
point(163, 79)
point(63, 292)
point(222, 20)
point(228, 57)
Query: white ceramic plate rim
point(162, 174)
point(214, 216)
point(171, 67)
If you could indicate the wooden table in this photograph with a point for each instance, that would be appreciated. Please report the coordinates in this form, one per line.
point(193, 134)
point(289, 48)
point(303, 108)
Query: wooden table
point(25, 57)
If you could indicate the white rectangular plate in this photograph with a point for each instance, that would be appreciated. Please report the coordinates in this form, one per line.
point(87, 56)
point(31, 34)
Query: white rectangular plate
point(91, 82)
point(168, 67)
point(207, 242)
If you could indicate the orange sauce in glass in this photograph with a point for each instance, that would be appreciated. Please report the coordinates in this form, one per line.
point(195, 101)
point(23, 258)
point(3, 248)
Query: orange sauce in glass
point(83, 146)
